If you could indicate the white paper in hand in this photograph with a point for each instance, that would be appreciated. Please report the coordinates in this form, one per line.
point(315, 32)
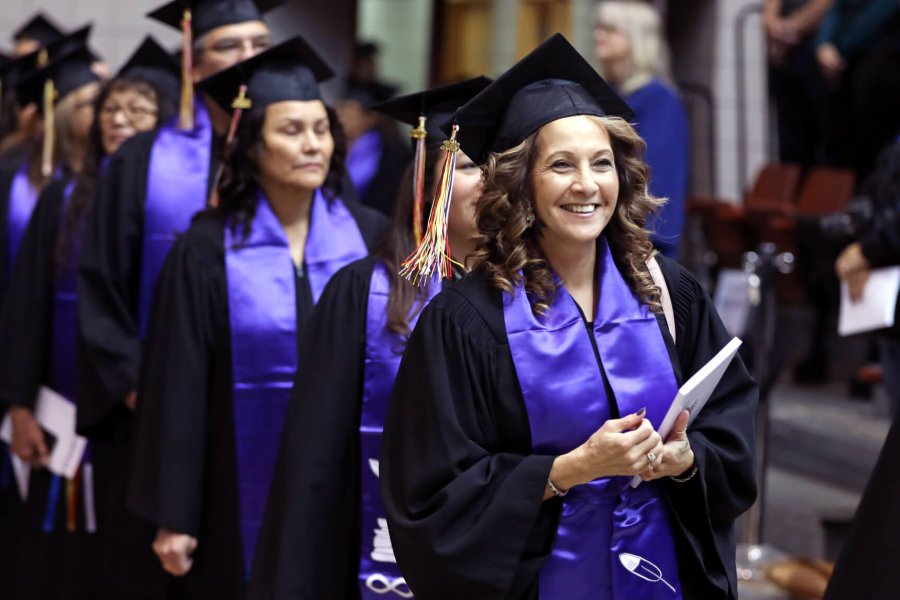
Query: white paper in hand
point(876, 308)
point(696, 391)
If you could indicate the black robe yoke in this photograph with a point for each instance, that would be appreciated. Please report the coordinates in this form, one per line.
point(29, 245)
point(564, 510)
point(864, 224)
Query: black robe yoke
point(185, 473)
point(463, 491)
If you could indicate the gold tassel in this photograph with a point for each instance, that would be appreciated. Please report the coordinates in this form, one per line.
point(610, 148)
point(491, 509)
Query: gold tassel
point(42, 58)
point(186, 108)
point(240, 104)
point(419, 134)
point(49, 128)
point(432, 256)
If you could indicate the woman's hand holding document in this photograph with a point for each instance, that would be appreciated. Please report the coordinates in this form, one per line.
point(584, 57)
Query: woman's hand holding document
point(692, 396)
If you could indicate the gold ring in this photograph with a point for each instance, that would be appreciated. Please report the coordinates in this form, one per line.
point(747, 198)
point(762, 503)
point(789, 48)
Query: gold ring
point(651, 457)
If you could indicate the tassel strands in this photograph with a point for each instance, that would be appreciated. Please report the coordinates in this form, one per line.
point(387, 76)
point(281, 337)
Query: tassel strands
point(240, 104)
point(49, 128)
point(419, 134)
point(432, 255)
point(186, 108)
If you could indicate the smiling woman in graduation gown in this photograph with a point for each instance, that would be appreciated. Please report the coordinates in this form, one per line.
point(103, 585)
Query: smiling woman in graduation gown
point(323, 535)
point(229, 309)
point(504, 398)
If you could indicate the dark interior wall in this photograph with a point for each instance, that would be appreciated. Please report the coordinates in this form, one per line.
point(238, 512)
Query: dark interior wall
point(332, 32)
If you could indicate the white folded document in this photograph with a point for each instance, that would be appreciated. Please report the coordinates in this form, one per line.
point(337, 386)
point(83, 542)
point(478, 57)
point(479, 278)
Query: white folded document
point(696, 391)
point(56, 416)
point(876, 308)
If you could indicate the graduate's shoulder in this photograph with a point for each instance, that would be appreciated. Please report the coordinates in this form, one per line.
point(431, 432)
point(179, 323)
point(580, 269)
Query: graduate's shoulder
point(473, 305)
point(135, 149)
point(204, 240)
point(353, 278)
point(372, 224)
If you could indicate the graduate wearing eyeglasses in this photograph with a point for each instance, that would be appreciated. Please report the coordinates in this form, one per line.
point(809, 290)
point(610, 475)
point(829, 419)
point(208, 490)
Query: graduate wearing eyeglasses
point(151, 189)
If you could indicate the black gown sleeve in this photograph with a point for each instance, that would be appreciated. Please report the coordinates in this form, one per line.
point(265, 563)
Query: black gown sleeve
point(462, 491)
point(7, 173)
point(309, 545)
point(109, 285)
point(170, 450)
point(722, 436)
point(26, 316)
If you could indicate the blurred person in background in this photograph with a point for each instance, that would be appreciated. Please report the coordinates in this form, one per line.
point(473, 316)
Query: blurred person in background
point(795, 83)
point(867, 566)
point(631, 49)
point(858, 50)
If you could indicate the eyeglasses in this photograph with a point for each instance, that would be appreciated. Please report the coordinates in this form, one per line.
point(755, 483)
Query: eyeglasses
point(132, 112)
point(237, 45)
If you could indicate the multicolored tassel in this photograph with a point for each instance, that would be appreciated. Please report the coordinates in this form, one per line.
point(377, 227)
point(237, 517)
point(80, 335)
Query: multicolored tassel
point(72, 502)
point(186, 108)
point(52, 503)
point(239, 104)
point(432, 255)
point(419, 134)
point(49, 128)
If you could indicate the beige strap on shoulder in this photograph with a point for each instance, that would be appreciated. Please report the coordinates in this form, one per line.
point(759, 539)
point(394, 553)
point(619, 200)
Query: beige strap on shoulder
point(664, 297)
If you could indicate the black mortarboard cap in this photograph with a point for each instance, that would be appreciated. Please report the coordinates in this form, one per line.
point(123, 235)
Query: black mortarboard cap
point(20, 69)
point(291, 70)
point(209, 14)
point(40, 29)
point(154, 64)
point(368, 93)
point(70, 42)
point(436, 105)
point(68, 72)
point(553, 82)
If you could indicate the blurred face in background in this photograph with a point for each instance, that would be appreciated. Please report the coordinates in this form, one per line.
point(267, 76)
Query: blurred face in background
point(126, 111)
point(611, 45)
point(355, 118)
point(25, 46)
point(82, 110)
point(225, 46)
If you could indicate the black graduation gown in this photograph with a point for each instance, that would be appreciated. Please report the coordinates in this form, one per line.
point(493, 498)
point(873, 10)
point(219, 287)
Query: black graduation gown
point(309, 546)
point(109, 288)
point(867, 566)
point(186, 401)
point(9, 499)
point(463, 491)
point(58, 564)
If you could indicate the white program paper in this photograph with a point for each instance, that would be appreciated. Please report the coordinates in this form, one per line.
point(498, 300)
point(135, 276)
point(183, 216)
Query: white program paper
point(876, 308)
point(57, 416)
point(696, 391)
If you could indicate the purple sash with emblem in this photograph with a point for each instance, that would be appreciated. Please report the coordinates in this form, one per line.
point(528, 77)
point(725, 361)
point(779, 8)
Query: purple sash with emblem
point(379, 576)
point(262, 308)
point(613, 542)
point(177, 181)
point(22, 200)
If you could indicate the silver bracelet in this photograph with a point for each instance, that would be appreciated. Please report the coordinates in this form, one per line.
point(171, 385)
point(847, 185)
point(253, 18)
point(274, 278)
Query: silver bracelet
point(689, 475)
point(556, 491)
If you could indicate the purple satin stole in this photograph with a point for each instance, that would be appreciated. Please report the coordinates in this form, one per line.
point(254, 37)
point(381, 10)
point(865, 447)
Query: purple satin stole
point(22, 200)
point(177, 180)
point(262, 307)
point(363, 160)
point(378, 571)
point(613, 542)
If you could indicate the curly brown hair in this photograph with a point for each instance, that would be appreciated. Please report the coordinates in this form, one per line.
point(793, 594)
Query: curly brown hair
point(508, 249)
